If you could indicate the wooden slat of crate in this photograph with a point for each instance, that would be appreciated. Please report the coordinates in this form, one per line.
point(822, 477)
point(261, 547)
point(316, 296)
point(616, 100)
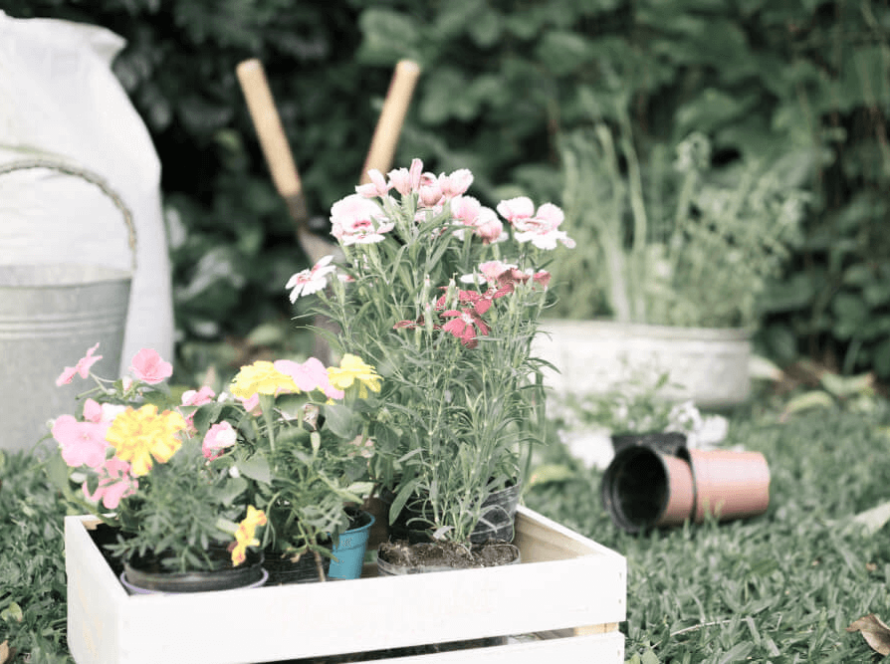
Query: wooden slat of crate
point(566, 582)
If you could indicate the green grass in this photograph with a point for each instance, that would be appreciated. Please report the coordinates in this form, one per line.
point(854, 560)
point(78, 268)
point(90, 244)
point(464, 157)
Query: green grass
point(778, 588)
point(32, 562)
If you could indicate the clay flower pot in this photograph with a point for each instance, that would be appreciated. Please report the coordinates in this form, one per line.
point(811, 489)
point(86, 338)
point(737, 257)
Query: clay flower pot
point(728, 484)
point(644, 488)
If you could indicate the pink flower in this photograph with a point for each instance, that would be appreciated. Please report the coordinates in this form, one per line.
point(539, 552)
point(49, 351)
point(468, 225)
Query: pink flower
point(198, 398)
point(357, 220)
point(405, 180)
point(430, 193)
point(376, 188)
point(217, 438)
point(148, 367)
point(115, 483)
point(541, 228)
point(311, 280)
point(516, 209)
point(455, 184)
point(82, 367)
point(82, 443)
point(101, 413)
point(311, 375)
point(466, 209)
point(251, 404)
point(463, 325)
point(489, 227)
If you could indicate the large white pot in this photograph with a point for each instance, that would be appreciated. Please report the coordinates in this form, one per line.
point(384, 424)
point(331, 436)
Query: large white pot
point(709, 366)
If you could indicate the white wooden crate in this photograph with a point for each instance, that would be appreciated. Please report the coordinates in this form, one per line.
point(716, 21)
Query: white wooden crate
point(569, 591)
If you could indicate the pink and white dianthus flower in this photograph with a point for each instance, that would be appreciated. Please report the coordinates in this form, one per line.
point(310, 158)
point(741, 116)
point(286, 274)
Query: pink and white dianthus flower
point(407, 180)
point(429, 194)
point(148, 367)
point(311, 280)
point(101, 413)
point(455, 184)
point(115, 483)
point(308, 376)
point(358, 220)
point(82, 368)
point(540, 227)
point(378, 187)
point(218, 437)
point(82, 443)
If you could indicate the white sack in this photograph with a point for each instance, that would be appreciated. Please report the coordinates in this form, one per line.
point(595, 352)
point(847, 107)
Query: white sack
point(59, 100)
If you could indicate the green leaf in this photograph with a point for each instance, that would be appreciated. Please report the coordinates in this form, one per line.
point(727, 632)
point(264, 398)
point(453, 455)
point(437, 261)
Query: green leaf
point(256, 468)
point(341, 421)
point(11, 613)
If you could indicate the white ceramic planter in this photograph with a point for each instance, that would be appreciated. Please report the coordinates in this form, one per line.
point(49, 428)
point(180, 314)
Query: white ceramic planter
point(709, 366)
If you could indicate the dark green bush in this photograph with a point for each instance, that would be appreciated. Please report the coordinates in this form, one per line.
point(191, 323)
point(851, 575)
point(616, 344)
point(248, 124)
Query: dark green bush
point(502, 81)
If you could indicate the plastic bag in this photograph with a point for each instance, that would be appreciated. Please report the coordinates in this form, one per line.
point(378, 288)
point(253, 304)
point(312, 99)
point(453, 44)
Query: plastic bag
point(60, 101)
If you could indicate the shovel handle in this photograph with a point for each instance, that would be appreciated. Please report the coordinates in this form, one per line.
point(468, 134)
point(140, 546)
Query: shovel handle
point(392, 117)
point(271, 135)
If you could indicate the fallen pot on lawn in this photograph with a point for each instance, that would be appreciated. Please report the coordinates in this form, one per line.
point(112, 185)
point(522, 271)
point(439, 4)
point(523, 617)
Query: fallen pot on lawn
point(644, 488)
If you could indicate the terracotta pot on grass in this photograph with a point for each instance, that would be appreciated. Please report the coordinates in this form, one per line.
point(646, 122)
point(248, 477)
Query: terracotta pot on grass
point(729, 485)
point(643, 488)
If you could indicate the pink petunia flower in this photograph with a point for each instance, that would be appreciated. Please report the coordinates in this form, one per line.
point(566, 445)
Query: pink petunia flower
point(464, 325)
point(198, 397)
point(357, 220)
point(376, 188)
point(82, 367)
point(148, 367)
point(311, 375)
point(251, 404)
point(115, 483)
point(82, 443)
point(101, 413)
point(217, 438)
point(312, 279)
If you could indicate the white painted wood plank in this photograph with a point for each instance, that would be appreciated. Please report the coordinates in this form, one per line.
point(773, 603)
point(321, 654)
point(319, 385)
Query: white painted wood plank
point(595, 649)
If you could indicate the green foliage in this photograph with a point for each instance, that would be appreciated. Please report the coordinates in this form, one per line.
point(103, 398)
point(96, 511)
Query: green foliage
point(501, 82)
point(32, 562)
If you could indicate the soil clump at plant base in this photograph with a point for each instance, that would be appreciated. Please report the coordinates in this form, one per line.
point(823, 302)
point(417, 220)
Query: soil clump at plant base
point(447, 554)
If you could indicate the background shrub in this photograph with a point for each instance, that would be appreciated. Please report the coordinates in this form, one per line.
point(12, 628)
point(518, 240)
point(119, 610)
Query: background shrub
point(502, 82)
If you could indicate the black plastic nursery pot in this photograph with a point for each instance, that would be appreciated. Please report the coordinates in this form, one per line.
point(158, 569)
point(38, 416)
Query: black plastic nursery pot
point(141, 577)
point(499, 513)
point(284, 571)
point(669, 442)
point(644, 488)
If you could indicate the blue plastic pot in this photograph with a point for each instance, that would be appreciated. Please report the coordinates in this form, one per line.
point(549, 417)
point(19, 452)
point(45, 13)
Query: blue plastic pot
point(349, 554)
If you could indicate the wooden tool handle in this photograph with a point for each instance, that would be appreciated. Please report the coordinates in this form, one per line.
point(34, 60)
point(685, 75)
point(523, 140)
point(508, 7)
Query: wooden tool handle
point(271, 135)
point(389, 126)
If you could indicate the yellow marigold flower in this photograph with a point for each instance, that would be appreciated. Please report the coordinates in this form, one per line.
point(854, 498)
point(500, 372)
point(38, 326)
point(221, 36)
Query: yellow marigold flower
point(245, 535)
point(262, 377)
point(139, 435)
point(353, 369)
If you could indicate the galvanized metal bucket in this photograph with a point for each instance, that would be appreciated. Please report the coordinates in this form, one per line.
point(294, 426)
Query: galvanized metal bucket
point(49, 316)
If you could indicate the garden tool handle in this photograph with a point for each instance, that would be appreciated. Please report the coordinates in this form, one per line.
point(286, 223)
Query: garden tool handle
point(392, 117)
point(271, 135)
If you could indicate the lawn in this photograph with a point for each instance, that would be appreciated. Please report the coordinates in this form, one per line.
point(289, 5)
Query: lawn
point(781, 588)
